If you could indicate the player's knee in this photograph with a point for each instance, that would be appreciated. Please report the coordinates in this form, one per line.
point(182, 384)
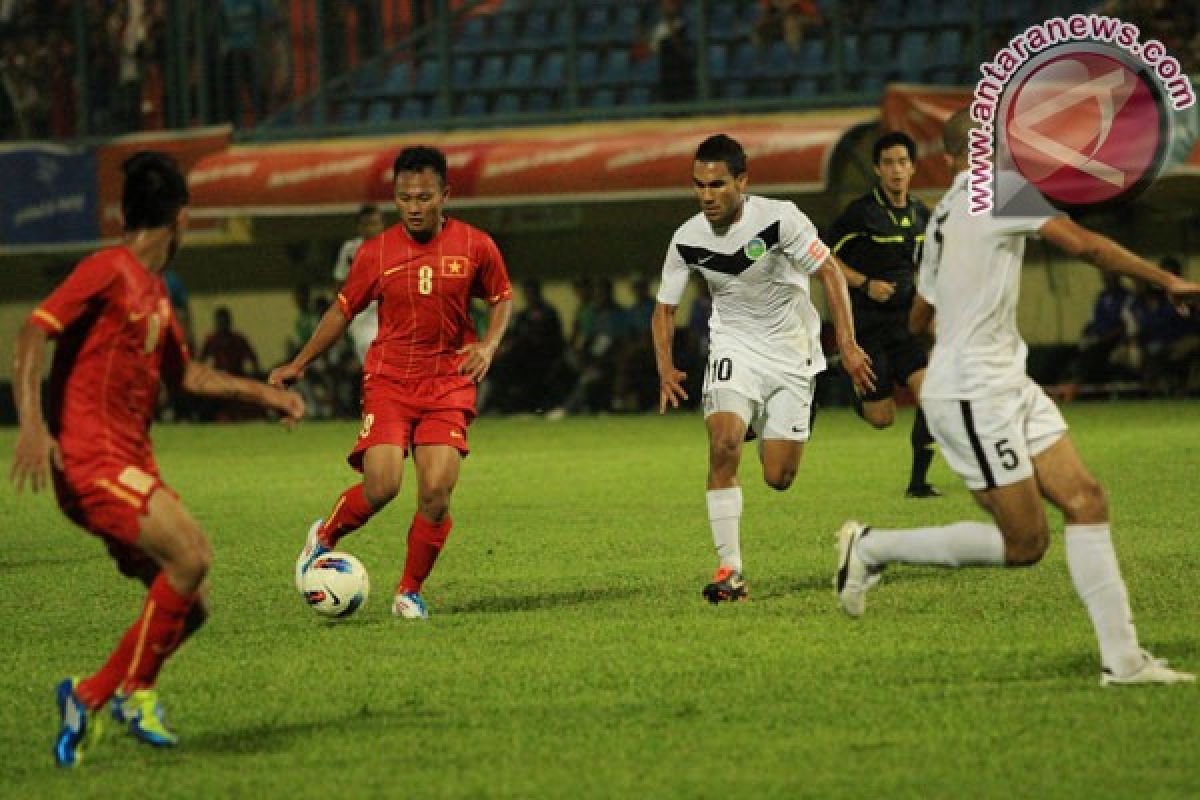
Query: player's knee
point(434, 503)
point(193, 557)
point(1026, 547)
point(1087, 503)
point(780, 478)
point(724, 450)
point(879, 417)
point(380, 490)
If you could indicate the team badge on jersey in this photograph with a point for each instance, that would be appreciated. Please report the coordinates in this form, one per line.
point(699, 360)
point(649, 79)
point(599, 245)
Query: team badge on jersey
point(455, 266)
point(755, 249)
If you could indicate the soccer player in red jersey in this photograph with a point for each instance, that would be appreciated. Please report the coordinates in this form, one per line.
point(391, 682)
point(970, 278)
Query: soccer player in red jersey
point(116, 335)
point(420, 373)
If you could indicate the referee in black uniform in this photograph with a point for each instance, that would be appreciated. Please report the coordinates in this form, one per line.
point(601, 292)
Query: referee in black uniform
point(878, 238)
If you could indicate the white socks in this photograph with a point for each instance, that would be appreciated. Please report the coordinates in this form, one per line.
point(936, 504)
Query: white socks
point(724, 514)
point(963, 544)
point(1097, 578)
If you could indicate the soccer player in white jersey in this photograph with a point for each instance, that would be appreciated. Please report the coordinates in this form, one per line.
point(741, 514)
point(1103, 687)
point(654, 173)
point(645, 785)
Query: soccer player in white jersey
point(757, 255)
point(364, 327)
point(997, 429)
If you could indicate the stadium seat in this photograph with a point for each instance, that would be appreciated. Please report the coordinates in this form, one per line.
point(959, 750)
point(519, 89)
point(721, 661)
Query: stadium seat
point(734, 90)
point(507, 103)
point(463, 72)
point(718, 61)
point(399, 78)
point(805, 88)
point(587, 68)
point(638, 96)
point(553, 70)
point(813, 60)
point(504, 32)
point(744, 60)
point(537, 29)
point(948, 51)
point(412, 108)
point(615, 69)
point(725, 22)
point(624, 29)
point(644, 72)
point(349, 111)
point(879, 49)
point(521, 71)
point(602, 98)
point(380, 111)
point(913, 56)
point(540, 102)
point(778, 62)
point(427, 76)
point(593, 26)
point(850, 52)
point(492, 71)
point(472, 37)
point(473, 105)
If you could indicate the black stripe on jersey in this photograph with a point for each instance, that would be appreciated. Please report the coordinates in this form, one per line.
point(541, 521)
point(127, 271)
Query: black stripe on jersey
point(976, 445)
point(728, 263)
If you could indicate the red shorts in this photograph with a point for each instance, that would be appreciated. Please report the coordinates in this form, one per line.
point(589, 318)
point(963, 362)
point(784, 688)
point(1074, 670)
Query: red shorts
point(413, 413)
point(109, 501)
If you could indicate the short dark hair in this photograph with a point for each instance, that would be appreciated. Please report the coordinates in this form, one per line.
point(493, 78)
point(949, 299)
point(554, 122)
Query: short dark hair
point(366, 210)
point(891, 139)
point(720, 147)
point(1172, 265)
point(154, 190)
point(957, 133)
point(418, 158)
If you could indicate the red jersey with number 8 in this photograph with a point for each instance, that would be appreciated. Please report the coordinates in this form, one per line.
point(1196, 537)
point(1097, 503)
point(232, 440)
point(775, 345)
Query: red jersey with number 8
point(424, 292)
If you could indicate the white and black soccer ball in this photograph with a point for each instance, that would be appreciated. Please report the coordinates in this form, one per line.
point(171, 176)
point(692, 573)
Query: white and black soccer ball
point(336, 585)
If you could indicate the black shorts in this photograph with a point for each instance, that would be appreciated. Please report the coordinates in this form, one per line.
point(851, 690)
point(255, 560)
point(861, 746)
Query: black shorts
point(895, 353)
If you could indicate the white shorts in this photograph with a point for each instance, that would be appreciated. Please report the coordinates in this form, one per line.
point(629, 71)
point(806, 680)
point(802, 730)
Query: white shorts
point(775, 405)
point(992, 442)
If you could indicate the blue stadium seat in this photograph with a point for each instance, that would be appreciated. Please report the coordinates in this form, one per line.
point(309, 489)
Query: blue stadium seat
point(380, 111)
point(805, 88)
point(553, 71)
point(472, 37)
point(399, 78)
point(884, 15)
point(948, 48)
point(507, 103)
point(718, 61)
point(540, 102)
point(602, 98)
point(504, 31)
point(491, 71)
point(779, 61)
point(463, 72)
point(473, 105)
point(850, 52)
point(587, 68)
point(625, 28)
point(427, 76)
point(537, 29)
point(520, 72)
point(412, 108)
point(919, 12)
point(615, 69)
point(644, 72)
point(812, 57)
point(913, 56)
point(638, 96)
point(349, 111)
point(593, 27)
point(734, 90)
point(725, 21)
point(744, 60)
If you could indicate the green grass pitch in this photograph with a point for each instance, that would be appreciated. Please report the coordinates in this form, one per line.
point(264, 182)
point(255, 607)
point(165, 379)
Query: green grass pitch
point(571, 655)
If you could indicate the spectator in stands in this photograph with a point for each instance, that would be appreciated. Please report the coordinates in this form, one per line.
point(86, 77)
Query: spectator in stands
point(698, 314)
point(229, 351)
point(597, 353)
point(1109, 328)
point(244, 25)
point(676, 63)
point(1168, 340)
point(789, 20)
point(636, 376)
point(530, 371)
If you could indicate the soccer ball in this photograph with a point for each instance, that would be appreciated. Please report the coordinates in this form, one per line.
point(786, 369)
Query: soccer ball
point(336, 585)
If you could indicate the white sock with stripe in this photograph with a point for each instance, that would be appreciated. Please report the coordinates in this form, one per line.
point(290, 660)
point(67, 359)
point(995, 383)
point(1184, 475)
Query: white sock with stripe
point(724, 516)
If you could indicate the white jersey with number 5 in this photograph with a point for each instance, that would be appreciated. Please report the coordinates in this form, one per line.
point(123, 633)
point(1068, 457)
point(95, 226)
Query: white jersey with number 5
point(971, 273)
point(758, 274)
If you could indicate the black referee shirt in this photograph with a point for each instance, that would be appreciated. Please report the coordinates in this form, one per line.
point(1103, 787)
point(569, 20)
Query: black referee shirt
point(881, 242)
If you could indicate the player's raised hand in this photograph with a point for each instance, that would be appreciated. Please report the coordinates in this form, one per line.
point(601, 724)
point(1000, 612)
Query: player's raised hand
point(670, 389)
point(880, 291)
point(858, 366)
point(477, 360)
point(284, 375)
point(35, 452)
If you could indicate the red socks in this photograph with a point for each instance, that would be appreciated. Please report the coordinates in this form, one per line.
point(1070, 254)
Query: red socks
point(425, 542)
point(350, 513)
point(144, 647)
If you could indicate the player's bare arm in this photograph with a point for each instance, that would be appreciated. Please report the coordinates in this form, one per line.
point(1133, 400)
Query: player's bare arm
point(877, 290)
point(670, 379)
point(856, 362)
point(202, 379)
point(920, 317)
point(1102, 252)
point(36, 449)
point(477, 356)
point(330, 329)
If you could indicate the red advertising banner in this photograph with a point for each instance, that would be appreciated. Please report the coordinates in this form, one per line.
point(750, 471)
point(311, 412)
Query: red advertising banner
point(921, 111)
point(594, 162)
point(186, 147)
